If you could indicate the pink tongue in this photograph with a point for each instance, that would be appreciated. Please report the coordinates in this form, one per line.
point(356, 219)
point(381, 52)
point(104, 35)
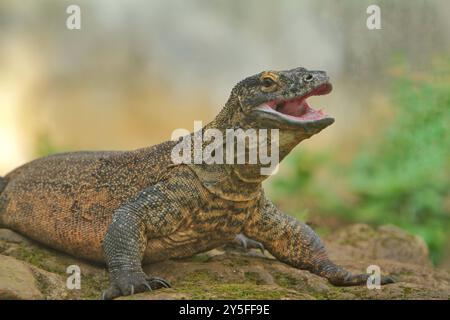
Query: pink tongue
point(294, 108)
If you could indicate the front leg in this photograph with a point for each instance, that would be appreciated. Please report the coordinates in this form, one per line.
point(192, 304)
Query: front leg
point(296, 244)
point(155, 212)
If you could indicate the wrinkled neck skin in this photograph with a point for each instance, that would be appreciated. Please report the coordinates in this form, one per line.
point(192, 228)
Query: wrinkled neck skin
point(242, 182)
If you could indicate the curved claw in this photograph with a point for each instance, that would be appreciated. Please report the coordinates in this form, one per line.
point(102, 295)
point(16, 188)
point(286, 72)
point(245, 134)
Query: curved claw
point(387, 280)
point(163, 283)
point(261, 247)
point(111, 293)
point(248, 243)
point(148, 287)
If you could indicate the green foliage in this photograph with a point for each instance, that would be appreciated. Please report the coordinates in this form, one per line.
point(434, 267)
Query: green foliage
point(298, 184)
point(303, 166)
point(404, 177)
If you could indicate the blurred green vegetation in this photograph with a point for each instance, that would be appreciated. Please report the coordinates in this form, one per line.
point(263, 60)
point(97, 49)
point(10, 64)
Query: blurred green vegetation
point(400, 176)
point(45, 146)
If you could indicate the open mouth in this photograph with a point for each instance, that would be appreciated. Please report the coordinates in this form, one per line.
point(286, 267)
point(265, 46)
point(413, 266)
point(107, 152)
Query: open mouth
point(297, 109)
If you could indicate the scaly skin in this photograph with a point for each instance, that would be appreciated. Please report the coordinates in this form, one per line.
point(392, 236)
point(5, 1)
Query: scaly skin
point(129, 208)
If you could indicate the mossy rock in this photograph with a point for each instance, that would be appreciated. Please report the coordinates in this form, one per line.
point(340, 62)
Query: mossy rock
point(229, 273)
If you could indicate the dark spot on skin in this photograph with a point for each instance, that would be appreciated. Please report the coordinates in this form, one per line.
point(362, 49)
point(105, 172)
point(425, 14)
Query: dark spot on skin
point(75, 208)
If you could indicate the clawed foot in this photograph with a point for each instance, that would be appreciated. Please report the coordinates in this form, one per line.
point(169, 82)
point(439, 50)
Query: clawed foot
point(128, 283)
point(248, 243)
point(358, 279)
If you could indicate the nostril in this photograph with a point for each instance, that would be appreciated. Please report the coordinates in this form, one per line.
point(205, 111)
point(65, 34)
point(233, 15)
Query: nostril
point(308, 77)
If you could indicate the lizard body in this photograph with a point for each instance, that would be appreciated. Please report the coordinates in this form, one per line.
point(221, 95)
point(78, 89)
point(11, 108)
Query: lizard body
point(125, 208)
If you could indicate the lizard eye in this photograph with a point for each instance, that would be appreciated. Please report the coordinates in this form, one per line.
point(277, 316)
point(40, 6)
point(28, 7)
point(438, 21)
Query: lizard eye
point(268, 82)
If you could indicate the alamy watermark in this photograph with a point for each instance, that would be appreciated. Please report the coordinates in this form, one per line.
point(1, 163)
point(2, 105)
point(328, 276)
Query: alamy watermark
point(374, 280)
point(74, 280)
point(73, 21)
point(373, 21)
point(236, 146)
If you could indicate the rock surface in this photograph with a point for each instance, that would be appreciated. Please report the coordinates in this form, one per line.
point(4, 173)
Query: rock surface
point(31, 271)
point(17, 280)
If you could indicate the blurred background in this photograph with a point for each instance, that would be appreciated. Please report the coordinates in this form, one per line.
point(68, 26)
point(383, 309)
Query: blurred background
point(139, 69)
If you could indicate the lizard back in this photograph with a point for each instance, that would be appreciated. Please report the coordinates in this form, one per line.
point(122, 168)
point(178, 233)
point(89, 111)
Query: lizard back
point(67, 200)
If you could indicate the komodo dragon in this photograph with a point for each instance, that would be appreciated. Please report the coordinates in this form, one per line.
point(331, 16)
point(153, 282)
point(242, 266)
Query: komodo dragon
point(134, 207)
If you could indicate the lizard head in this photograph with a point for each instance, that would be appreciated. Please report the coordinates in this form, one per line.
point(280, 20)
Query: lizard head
point(277, 99)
